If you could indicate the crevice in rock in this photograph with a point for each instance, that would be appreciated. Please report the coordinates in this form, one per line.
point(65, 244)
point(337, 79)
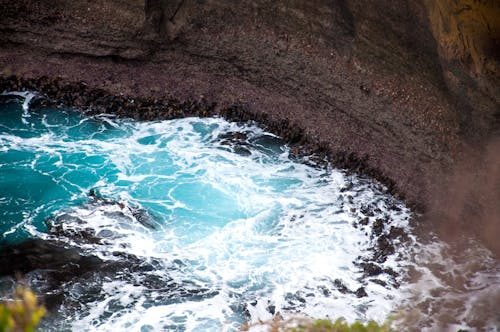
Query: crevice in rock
point(161, 19)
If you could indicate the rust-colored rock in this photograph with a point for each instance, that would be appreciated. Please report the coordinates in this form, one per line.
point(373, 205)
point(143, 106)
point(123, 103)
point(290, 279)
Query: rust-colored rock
point(468, 37)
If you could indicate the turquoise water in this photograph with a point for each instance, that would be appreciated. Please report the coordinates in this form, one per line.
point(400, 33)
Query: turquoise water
point(39, 173)
point(230, 216)
point(52, 159)
point(232, 229)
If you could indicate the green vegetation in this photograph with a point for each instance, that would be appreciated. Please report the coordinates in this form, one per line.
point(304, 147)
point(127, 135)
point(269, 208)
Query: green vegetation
point(322, 325)
point(340, 325)
point(22, 313)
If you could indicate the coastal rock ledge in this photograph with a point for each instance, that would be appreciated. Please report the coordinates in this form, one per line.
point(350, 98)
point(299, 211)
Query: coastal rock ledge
point(409, 88)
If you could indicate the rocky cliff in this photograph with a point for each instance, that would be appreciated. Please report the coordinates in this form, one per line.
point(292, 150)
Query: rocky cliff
point(402, 86)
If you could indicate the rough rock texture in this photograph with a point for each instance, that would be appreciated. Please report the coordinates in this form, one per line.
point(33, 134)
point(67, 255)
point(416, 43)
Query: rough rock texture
point(468, 36)
point(405, 85)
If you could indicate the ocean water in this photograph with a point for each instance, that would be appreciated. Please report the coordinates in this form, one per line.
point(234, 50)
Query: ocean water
point(214, 225)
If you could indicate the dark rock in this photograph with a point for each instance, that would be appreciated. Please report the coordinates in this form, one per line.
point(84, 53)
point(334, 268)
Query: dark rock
point(326, 292)
point(371, 269)
point(64, 274)
point(7, 98)
point(378, 227)
point(391, 272)
point(140, 215)
point(349, 185)
point(367, 211)
point(45, 255)
point(384, 248)
point(295, 300)
point(398, 232)
point(395, 208)
point(58, 230)
point(233, 136)
point(340, 286)
point(379, 282)
point(271, 309)
point(143, 217)
point(360, 292)
point(237, 141)
point(241, 150)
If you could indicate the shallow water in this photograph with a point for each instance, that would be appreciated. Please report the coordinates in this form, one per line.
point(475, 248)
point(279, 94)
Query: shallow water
point(217, 229)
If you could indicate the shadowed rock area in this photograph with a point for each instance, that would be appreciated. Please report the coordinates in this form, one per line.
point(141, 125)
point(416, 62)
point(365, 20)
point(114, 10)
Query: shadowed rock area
point(398, 90)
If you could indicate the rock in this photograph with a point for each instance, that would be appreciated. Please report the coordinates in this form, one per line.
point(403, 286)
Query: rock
point(65, 274)
point(45, 255)
point(367, 211)
point(237, 141)
point(233, 136)
point(360, 292)
point(326, 292)
point(398, 232)
point(364, 221)
point(371, 269)
point(58, 230)
point(378, 227)
point(384, 248)
point(7, 98)
point(379, 282)
point(271, 309)
point(340, 286)
point(140, 215)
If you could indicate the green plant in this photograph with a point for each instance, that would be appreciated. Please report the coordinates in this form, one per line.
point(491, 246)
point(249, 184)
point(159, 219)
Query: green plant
point(22, 313)
point(340, 325)
point(321, 325)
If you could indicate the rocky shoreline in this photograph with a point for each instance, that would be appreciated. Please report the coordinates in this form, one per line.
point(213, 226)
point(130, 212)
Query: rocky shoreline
point(97, 101)
point(407, 92)
point(65, 257)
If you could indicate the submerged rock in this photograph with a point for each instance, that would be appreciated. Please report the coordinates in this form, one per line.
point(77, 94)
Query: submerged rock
point(48, 266)
point(67, 277)
point(140, 215)
point(37, 254)
point(237, 141)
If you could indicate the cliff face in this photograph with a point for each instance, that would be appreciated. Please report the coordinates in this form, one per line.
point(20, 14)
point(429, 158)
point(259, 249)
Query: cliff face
point(468, 38)
point(402, 84)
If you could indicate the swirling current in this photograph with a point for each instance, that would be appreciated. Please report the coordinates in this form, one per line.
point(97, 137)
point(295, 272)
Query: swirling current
point(198, 224)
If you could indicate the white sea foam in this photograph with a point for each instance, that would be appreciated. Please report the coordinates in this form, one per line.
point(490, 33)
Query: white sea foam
point(28, 97)
point(229, 238)
point(275, 233)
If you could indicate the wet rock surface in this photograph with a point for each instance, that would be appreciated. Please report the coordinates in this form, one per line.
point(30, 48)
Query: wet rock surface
point(66, 276)
point(237, 141)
